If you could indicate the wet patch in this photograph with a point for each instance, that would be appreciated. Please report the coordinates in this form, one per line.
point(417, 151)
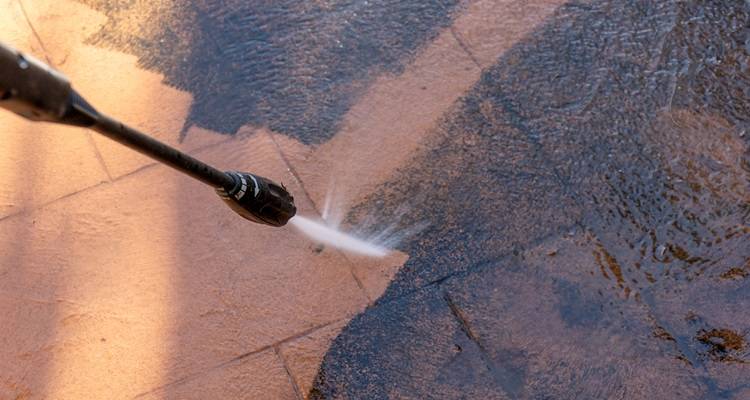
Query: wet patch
point(579, 308)
point(624, 120)
point(293, 67)
point(433, 349)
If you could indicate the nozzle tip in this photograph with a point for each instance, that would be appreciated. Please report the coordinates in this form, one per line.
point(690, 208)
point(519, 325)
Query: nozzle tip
point(258, 199)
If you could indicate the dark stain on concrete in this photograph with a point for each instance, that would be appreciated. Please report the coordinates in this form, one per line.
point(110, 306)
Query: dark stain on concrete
point(723, 344)
point(623, 125)
point(295, 67)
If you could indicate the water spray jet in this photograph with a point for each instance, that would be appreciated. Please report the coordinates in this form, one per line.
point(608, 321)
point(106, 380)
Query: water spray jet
point(328, 235)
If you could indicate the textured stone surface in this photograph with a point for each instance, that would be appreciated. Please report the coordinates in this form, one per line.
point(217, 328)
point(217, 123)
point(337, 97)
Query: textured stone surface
point(561, 335)
point(303, 355)
point(623, 124)
point(138, 283)
point(427, 349)
point(39, 163)
point(566, 185)
point(259, 376)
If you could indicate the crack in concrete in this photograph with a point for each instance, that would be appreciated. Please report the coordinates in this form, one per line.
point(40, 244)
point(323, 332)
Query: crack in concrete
point(497, 371)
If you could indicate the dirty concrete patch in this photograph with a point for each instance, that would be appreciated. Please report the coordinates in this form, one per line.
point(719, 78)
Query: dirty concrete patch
point(594, 122)
point(522, 314)
point(294, 67)
point(482, 188)
point(433, 355)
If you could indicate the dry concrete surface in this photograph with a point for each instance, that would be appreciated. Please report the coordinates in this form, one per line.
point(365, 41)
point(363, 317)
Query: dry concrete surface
point(123, 279)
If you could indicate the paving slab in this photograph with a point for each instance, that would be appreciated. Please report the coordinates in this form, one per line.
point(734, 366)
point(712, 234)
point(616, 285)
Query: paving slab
point(303, 355)
point(451, 189)
point(125, 256)
point(113, 82)
point(40, 162)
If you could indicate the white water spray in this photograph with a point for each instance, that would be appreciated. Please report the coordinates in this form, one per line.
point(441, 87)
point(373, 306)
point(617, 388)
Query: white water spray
point(325, 234)
point(362, 240)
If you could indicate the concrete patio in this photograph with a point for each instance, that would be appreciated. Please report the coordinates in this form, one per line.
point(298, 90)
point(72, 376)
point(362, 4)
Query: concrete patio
point(123, 279)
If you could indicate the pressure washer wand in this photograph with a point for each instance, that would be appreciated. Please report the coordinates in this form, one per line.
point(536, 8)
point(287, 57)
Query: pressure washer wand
point(37, 92)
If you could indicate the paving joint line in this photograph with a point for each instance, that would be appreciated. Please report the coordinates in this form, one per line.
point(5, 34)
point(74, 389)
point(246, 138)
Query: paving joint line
point(289, 375)
point(152, 163)
point(462, 321)
point(92, 142)
point(292, 170)
point(149, 165)
point(482, 263)
point(301, 183)
point(34, 31)
point(272, 346)
point(27, 211)
point(464, 47)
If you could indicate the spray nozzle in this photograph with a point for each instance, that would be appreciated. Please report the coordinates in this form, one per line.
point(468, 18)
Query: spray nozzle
point(258, 199)
point(30, 88)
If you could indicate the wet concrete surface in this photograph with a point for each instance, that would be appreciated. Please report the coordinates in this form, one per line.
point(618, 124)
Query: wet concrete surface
point(580, 173)
point(293, 67)
point(619, 123)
